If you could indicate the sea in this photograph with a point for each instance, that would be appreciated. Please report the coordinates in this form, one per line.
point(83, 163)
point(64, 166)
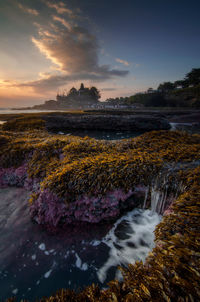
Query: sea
point(14, 111)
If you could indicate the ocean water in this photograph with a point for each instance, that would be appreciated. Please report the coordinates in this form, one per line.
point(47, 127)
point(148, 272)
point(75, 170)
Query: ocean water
point(34, 263)
point(11, 111)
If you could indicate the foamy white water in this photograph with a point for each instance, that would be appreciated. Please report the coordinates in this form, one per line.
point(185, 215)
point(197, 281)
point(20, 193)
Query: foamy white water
point(130, 240)
point(32, 261)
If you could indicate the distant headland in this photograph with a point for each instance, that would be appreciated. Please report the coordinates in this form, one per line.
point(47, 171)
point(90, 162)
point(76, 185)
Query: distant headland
point(181, 93)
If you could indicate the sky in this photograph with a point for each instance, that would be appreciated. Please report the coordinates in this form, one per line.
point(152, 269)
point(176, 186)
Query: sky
point(121, 47)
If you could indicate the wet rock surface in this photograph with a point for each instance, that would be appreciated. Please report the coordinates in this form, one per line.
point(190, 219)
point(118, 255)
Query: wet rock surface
point(123, 230)
point(106, 122)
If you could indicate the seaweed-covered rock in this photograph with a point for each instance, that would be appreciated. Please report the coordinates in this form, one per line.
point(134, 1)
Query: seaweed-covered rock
point(13, 176)
point(81, 179)
point(49, 209)
point(167, 272)
point(68, 173)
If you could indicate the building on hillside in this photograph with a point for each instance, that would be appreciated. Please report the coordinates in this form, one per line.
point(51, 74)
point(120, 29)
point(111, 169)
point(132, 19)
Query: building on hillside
point(79, 99)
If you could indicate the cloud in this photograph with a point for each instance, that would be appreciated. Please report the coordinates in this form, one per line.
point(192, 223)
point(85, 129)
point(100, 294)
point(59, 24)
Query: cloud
point(60, 8)
point(52, 82)
point(74, 52)
point(44, 50)
point(72, 49)
point(63, 22)
point(28, 10)
point(108, 89)
point(126, 63)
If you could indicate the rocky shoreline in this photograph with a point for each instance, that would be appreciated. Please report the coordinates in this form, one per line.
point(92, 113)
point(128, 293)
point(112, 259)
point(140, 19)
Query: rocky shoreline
point(82, 180)
point(138, 120)
point(91, 181)
point(59, 121)
point(106, 122)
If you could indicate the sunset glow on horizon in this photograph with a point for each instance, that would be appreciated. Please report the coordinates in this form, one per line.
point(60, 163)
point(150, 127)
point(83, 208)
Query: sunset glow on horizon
point(48, 46)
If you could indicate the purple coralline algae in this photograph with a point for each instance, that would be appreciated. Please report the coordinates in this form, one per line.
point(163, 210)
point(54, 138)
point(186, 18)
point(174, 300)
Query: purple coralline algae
point(13, 176)
point(50, 210)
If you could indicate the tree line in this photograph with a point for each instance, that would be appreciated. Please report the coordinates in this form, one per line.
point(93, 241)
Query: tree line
point(191, 79)
point(181, 93)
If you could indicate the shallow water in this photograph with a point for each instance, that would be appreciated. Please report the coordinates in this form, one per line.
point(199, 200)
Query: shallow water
point(191, 128)
point(102, 134)
point(34, 263)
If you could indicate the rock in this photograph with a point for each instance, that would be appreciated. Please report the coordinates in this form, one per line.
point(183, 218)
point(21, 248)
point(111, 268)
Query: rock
point(49, 209)
point(132, 245)
point(123, 230)
point(58, 122)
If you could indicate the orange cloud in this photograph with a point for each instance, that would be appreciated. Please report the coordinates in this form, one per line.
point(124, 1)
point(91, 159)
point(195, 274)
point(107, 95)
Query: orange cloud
point(28, 10)
point(71, 48)
point(126, 63)
point(63, 22)
point(44, 49)
point(14, 95)
point(59, 7)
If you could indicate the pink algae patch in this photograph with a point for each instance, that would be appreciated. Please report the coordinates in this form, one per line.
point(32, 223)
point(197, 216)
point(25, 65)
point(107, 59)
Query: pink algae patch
point(51, 210)
point(13, 176)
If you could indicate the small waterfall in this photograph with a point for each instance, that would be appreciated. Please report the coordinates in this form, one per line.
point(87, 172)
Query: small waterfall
point(145, 197)
point(163, 191)
point(158, 200)
point(173, 126)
